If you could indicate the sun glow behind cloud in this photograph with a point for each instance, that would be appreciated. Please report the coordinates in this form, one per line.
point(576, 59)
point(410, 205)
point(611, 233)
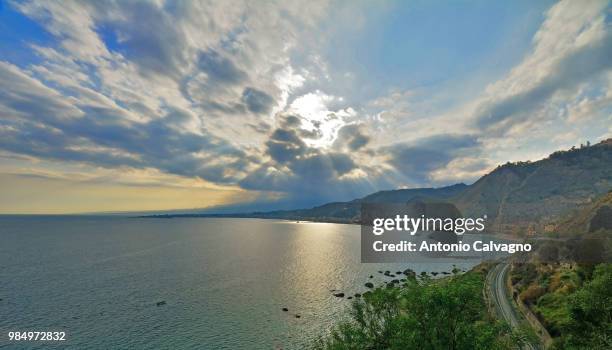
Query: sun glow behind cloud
point(286, 100)
point(322, 125)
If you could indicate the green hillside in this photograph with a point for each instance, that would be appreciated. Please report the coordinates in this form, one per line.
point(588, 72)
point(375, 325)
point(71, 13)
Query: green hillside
point(572, 299)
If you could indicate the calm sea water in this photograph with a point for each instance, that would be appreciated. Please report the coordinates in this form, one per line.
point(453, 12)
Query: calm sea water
point(224, 281)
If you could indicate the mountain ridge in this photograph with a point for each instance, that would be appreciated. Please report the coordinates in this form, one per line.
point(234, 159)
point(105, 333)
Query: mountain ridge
point(524, 197)
point(518, 198)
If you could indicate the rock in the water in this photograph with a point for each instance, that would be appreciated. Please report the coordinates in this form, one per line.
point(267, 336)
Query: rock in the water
point(395, 281)
point(398, 273)
point(391, 275)
point(297, 316)
point(434, 273)
point(409, 273)
point(370, 277)
point(387, 272)
point(369, 285)
point(161, 303)
point(357, 295)
point(285, 309)
point(445, 273)
point(349, 298)
point(339, 295)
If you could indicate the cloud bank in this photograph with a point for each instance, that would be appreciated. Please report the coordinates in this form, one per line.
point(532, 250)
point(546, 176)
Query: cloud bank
point(235, 93)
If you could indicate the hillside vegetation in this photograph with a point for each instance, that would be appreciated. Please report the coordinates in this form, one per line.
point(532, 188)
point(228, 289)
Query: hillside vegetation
point(424, 314)
point(573, 300)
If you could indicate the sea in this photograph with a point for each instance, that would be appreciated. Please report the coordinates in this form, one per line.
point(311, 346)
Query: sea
point(113, 282)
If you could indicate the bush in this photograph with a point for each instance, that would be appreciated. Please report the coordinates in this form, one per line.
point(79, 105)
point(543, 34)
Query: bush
point(532, 293)
point(422, 314)
point(590, 310)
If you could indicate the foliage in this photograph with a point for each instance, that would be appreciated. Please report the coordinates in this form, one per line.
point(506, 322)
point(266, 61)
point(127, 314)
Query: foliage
point(532, 293)
point(573, 302)
point(423, 314)
point(590, 309)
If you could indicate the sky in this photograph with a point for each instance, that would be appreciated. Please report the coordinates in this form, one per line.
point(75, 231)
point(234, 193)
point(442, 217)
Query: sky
point(239, 105)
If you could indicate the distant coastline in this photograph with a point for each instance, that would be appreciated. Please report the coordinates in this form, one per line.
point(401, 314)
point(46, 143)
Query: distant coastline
point(512, 195)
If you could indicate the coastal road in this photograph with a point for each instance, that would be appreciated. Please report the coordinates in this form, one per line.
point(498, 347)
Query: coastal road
point(496, 280)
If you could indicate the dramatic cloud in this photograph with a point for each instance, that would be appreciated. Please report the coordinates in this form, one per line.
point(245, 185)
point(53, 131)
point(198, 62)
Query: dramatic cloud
point(257, 101)
point(352, 137)
point(218, 69)
point(43, 123)
point(282, 100)
point(573, 46)
point(423, 157)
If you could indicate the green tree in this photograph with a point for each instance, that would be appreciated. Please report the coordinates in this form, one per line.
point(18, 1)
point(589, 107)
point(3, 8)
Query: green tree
point(423, 314)
point(590, 310)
